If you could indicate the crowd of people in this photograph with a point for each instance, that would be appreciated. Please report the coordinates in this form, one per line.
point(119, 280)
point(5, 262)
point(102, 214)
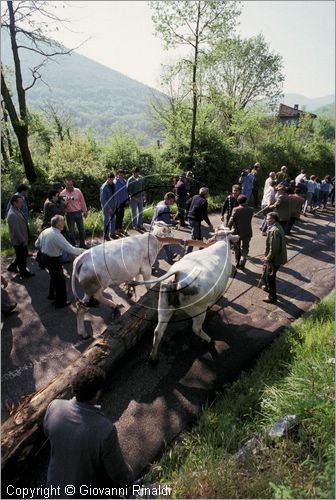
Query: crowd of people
point(283, 201)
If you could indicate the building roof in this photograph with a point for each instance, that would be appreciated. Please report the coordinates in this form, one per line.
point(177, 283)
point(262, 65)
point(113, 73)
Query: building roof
point(289, 112)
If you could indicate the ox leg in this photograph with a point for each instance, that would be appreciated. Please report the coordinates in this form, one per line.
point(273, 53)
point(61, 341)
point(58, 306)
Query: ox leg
point(146, 274)
point(197, 327)
point(80, 321)
point(108, 302)
point(159, 331)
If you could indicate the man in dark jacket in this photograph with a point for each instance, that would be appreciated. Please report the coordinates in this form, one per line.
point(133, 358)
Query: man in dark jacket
point(108, 201)
point(84, 443)
point(197, 208)
point(21, 191)
point(181, 198)
point(230, 203)
point(52, 206)
point(275, 255)
point(282, 205)
point(256, 184)
point(19, 234)
point(241, 221)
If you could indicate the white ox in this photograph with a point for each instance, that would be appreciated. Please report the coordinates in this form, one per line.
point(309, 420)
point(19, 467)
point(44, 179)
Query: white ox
point(113, 263)
point(192, 284)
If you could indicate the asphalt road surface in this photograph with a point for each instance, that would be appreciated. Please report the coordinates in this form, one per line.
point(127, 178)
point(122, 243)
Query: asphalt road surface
point(152, 405)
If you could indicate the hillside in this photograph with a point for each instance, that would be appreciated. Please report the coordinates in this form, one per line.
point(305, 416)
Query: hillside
point(95, 95)
point(328, 111)
point(311, 104)
point(101, 98)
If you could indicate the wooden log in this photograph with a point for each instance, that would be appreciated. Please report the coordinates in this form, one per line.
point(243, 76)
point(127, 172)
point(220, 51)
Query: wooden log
point(22, 432)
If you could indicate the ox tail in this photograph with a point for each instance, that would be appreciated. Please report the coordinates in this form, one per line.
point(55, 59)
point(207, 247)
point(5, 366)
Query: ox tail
point(75, 273)
point(194, 273)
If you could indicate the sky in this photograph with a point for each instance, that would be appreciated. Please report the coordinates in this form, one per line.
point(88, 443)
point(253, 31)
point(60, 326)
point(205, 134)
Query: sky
point(120, 35)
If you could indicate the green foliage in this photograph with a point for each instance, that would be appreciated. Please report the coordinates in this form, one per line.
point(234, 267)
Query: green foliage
point(80, 158)
point(193, 22)
point(244, 70)
point(294, 376)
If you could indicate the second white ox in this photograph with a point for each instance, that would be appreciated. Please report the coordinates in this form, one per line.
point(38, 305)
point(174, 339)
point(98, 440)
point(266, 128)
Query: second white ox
point(113, 263)
point(192, 284)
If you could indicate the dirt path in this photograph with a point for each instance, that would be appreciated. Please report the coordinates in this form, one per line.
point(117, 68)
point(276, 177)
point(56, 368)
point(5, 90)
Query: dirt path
point(153, 405)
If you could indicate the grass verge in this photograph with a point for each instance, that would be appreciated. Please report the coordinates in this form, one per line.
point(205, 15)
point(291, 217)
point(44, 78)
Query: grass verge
point(294, 376)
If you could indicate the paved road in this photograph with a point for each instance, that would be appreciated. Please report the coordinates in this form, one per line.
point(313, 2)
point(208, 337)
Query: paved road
point(151, 406)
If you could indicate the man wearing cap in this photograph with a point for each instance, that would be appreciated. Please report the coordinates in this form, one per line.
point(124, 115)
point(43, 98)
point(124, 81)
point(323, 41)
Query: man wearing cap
point(275, 255)
point(181, 198)
point(282, 175)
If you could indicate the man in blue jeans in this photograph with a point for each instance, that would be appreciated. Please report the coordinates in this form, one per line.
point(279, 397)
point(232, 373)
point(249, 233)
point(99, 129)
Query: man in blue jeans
point(197, 208)
point(109, 205)
point(162, 213)
point(75, 210)
point(122, 200)
point(135, 189)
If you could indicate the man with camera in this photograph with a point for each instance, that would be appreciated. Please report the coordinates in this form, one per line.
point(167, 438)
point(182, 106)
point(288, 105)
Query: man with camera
point(75, 209)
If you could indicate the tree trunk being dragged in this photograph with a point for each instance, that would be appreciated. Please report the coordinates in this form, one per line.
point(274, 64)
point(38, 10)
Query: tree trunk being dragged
point(22, 431)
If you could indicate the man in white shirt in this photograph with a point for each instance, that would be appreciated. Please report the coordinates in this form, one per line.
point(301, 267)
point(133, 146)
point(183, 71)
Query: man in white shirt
point(300, 178)
point(52, 243)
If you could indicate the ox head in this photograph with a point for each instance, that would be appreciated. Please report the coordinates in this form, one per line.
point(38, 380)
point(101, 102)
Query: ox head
point(159, 229)
point(224, 233)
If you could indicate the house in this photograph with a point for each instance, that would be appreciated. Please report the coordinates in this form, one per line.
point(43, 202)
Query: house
point(287, 114)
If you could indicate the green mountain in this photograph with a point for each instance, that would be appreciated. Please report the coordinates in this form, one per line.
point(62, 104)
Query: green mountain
point(310, 104)
point(328, 110)
point(94, 95)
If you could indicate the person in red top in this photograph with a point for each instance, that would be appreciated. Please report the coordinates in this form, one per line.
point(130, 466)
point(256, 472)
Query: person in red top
point(75, 209)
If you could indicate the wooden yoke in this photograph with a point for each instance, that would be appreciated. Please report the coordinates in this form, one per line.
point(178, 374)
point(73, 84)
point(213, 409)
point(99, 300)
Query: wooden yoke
point(186, 243)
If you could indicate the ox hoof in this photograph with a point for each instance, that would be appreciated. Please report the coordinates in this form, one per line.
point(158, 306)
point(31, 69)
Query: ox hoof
point(116, 313)
point(118, 306)
point(85, 336)
point(153, 361)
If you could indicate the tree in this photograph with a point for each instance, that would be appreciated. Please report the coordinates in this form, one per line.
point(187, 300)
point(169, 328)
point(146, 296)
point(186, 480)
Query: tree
point(243, 71)
point(197, 25)
point(26, 22)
